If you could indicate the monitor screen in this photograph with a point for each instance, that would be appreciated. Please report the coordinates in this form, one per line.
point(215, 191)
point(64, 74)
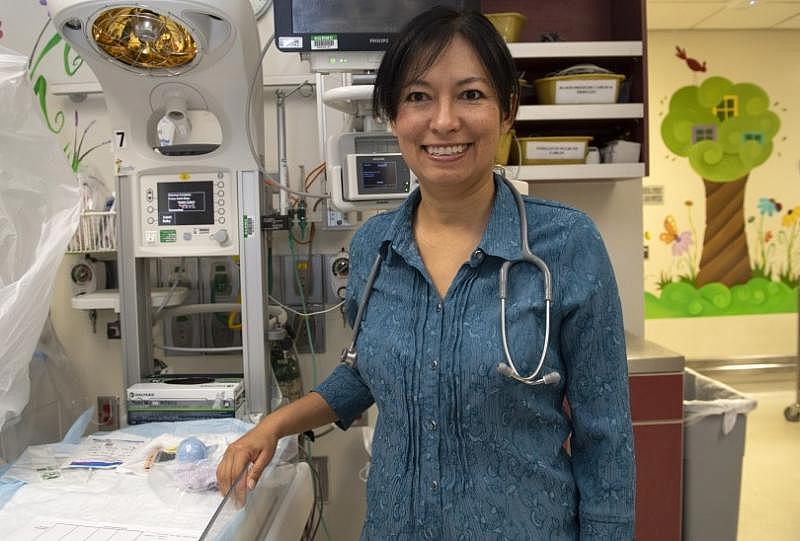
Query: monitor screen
point(348, 25)
point(382, 174)
point(185, 203)
point(379, 175)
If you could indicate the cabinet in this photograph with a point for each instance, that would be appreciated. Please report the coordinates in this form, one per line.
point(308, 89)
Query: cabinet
point(656, 391)
point(608, 33)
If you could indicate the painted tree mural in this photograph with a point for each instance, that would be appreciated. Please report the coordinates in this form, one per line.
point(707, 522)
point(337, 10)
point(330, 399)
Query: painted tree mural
point(725, 130)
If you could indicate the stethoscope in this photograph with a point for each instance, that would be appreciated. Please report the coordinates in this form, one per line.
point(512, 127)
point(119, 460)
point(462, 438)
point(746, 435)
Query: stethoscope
point(508, 368)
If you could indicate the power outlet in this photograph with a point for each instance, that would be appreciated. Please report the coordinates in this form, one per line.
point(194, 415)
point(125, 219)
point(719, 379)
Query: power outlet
point(108, 412)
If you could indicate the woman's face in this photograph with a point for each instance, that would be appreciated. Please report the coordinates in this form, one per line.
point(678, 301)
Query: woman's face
point(448, 121)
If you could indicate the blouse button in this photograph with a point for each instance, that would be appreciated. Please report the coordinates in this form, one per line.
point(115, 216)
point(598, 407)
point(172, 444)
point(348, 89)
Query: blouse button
point(433, 425)
point(434, 364)
point(434, 485)
point(477, 255)
point(439, 307)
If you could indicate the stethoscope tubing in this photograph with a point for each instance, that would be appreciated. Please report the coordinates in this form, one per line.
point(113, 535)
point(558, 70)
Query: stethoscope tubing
point(349, 355)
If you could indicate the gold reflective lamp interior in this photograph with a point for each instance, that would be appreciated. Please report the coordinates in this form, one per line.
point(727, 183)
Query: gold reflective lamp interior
point(144, 39)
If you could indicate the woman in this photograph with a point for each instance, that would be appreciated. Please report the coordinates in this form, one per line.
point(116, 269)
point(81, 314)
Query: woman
point(460, 450)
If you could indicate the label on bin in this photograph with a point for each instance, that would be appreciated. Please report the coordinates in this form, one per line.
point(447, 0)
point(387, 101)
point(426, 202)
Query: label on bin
point(555, 150)
point(593, 91)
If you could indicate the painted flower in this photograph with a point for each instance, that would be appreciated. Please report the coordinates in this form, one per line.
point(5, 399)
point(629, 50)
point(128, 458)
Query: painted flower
point(682, 243)
point(768, 237)
point(768, 206)
point(792, 215)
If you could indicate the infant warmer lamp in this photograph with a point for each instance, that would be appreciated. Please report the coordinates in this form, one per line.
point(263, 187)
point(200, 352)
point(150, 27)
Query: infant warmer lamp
point(179, 80)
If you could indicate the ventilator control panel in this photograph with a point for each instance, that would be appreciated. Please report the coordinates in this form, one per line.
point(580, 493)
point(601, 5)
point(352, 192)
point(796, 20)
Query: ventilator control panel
point(187, 214)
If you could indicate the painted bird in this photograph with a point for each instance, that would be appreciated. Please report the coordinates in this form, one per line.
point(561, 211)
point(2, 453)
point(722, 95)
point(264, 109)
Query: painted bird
point(693, 64)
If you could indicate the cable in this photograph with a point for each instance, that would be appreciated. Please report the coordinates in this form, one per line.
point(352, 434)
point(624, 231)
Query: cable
point(302, 314)
point(231, 349)
point(272, 182)
point(314, 175)
point(250, 94)
point(316, 513)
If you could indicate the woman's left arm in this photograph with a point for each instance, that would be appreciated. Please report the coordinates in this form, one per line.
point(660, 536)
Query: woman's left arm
point(593, 348)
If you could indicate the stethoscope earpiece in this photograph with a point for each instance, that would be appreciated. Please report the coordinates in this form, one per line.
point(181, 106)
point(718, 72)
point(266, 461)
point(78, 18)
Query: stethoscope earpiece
point(551, 378)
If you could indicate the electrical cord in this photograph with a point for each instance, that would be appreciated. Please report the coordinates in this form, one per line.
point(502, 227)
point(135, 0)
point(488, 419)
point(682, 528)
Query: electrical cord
point(305, 314)
point(316, 511)
point(249, 106)
point(274, 183)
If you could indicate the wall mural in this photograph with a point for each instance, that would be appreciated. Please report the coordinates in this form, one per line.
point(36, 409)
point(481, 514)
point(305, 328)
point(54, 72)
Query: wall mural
point(70, 63)
point(726, 131)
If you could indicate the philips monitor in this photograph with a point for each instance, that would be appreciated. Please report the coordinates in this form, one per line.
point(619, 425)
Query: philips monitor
point(348, 25)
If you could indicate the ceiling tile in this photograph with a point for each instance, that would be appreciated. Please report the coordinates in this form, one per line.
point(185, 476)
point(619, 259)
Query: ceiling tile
point(679, 15)
point(761, 15)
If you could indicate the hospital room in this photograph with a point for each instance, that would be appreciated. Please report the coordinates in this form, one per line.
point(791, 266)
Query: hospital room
point(344, 270)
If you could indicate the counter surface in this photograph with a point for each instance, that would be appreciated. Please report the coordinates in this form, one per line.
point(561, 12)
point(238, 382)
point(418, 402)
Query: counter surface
point(645, 357)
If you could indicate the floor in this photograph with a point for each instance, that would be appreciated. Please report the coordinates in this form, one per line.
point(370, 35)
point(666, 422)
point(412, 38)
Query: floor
point(770, 497)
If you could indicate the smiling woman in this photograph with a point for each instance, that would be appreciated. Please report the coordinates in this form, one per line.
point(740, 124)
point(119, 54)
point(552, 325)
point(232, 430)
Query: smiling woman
point(461, 450)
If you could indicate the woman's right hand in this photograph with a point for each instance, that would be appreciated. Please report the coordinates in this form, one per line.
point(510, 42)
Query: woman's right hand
point(256, 447)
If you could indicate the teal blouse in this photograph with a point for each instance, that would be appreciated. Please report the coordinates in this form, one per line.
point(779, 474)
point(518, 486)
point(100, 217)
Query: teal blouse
point(461, 451)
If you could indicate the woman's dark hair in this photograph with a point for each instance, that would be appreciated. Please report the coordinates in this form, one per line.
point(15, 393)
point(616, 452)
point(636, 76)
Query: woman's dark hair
point(424, 38)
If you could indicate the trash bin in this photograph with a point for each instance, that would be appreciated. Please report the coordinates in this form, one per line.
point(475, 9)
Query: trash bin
point(713, 446)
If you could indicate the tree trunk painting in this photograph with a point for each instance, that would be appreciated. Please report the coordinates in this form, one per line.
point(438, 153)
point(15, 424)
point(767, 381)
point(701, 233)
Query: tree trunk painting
point(725, 256)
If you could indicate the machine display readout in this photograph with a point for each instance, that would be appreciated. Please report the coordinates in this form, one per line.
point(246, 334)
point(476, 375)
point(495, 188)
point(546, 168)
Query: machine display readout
point(379, 174)
point(185, 203)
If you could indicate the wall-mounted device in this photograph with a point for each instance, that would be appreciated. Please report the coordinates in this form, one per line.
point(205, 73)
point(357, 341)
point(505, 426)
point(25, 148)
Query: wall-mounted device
point(87, 276)
point(371, 176)
point(187, 214)
point(338, 268)
point(367, 171)
point(365, 168)
point(362, 27)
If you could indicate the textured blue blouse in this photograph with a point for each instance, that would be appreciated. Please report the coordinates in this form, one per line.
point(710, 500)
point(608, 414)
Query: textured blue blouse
point(461, 451)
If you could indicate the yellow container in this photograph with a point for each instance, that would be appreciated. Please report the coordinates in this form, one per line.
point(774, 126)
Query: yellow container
point(582, 88)
point(554, 150)
point(504, 148)
point(509, 25)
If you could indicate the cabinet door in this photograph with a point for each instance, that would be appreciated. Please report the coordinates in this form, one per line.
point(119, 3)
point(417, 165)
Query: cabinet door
point(659, 481)
point(657, 412)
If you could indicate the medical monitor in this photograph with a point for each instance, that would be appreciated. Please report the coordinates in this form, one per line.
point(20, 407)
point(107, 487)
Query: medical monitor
point(348, 25)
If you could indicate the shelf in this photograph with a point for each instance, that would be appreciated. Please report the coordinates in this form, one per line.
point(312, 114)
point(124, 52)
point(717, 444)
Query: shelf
point(85, 89)
point(559, 173)
point(576, 49)
point(580, 112)
point(108, 299)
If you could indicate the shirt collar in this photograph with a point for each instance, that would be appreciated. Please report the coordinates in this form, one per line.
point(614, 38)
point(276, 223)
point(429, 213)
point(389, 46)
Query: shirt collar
point(500, 239)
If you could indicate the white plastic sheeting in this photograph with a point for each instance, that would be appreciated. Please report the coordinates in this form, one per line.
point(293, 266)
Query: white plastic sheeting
point(39, 211)
point(712, 397)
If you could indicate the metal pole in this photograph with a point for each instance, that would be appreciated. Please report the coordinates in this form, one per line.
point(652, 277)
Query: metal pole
point(792, 413)
point(283, 162)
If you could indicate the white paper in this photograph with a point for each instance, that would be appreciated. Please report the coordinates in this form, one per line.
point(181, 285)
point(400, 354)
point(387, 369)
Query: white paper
point(43, 529)
point(586, 91)
point(99, 452)
point(555, 150)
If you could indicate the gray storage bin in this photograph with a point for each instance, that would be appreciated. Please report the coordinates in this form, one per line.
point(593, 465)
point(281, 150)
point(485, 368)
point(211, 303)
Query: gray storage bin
point(715, 421)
